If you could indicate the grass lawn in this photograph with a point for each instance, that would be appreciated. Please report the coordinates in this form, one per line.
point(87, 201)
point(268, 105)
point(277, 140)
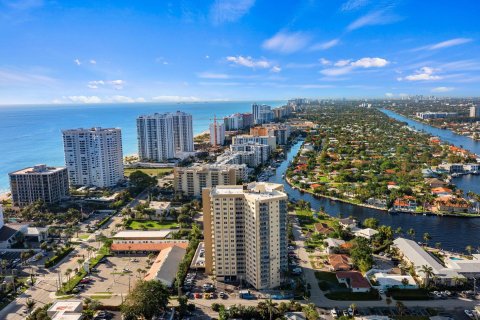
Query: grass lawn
point(409, 294)
point(84, 236)
point(149, 171)
point(328, 281)
point(151, 225)
point(353, 296)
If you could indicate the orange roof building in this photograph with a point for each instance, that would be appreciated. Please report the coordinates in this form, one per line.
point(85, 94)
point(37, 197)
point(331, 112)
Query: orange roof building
point(339, 262)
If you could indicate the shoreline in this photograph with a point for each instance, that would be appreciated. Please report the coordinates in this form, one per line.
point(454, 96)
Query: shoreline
point(432, 125)
point(428, 213)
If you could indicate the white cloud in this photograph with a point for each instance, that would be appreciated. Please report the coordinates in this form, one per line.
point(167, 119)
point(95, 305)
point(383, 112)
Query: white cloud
point(370, 63)
point(161, 60)
point(93, 61)
point(423, 74)
point(442, 89)
point(445, 44)
point(210, 75)
point(388, 95)
point(116, 84)
point(379, 17)
point(286, 42)
point(207, 57)
point(77, 62)
point(176, 99)
point(249, 62)
point(229, 10)
point(346, 66)
point(276, 69)
point(354, 4)
point(324, 62)
point(325, 45)
point(84, 99)
point(124, 99)
point(9, 77)
point(336, 71)
point(341, 63)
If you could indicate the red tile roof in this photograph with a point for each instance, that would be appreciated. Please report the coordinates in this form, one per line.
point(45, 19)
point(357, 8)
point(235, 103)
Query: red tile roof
point(356, 280)
point(339, 262)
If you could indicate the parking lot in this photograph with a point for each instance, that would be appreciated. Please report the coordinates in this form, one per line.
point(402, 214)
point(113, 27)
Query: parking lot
point(115, 275)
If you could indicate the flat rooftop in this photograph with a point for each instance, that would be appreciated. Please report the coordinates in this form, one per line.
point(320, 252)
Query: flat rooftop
point(139, 234)
point(38, 169)
point(65, 305)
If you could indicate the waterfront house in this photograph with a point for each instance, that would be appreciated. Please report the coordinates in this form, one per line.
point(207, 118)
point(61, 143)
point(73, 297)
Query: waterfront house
point(366, 233)
point(339, 262)
point(331, 244)
point(452, 204)
point(441, 191)
point(353, 280)
point(348, 223)
point(405, 204)
point(435, 183)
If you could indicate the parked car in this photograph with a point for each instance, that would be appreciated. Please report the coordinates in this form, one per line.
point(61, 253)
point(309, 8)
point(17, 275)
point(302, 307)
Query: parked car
point(334, 313)
point(469, 313)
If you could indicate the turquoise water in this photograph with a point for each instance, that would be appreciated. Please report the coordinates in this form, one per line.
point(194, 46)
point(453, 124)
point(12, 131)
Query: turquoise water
point(31, 135)
point(453, 258)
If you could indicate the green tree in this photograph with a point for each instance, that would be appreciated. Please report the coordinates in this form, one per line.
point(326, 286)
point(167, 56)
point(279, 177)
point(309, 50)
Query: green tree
point(427, 237)
point(140, 181)
point(469, 249)
point(30, 304)
point(147, 299)
point(370, 223)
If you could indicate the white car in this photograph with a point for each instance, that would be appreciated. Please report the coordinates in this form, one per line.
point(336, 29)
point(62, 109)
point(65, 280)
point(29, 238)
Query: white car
point(469, 313)
point(334, 313)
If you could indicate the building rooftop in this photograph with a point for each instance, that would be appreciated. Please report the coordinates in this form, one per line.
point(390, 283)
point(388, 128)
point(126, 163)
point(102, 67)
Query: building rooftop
point(9, 230)
point(147, 246)
point(356, 280)
point(66, 306)
point(166, 265)
point(138, 234)
point(38, 169)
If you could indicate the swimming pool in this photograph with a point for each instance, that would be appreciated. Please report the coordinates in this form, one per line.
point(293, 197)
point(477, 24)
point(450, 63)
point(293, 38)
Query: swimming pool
point(455, 258)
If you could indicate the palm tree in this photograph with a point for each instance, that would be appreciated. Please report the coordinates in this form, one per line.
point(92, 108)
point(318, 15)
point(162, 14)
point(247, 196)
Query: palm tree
point(469, 249)
point(428, 273)
point(139, 271)
point(68, 272)
point(80, 263)
point(399, 231)
point(411, 233)
point(427, 237)
point(30, 304)
point(400, 307)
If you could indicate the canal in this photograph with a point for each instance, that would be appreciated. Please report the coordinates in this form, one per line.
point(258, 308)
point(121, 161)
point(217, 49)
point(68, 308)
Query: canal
point(453, 233)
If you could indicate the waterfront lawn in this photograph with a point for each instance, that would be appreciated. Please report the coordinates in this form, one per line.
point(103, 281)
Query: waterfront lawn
point(306, 219)
point(409, 294)
point(151, 225)
point(154, 172)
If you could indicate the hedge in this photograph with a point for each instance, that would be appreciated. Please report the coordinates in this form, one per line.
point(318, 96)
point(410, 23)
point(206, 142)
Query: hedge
point(56, 258)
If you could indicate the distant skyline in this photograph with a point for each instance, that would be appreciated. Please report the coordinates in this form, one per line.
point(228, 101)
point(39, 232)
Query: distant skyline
point(187, 51)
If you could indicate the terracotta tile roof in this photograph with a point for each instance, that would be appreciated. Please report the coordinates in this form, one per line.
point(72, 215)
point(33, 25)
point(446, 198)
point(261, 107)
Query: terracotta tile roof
point(441, 190)
point(146, 246)
point(355, 279)
point(323, 228)
point(339, 262)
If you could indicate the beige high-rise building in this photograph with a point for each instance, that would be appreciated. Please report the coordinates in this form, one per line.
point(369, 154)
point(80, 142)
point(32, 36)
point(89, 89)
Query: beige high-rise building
point(49, 184)
point(191, 180)
point(245, 231)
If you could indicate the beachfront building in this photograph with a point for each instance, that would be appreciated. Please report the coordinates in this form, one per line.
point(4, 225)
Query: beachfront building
point(40, 182)
point(93, 156)
point(262, 113)
point(217, 134)
point(155, 137)
point(190, 181)
point(238, 121)
point(245, 232)
point(162, 136)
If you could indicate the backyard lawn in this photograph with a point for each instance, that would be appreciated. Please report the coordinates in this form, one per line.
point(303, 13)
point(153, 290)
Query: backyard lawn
point(151, 225)
point(150, 171)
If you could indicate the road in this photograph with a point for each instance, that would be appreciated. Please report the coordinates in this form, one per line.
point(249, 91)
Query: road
point(46, 284)
point(319, 299)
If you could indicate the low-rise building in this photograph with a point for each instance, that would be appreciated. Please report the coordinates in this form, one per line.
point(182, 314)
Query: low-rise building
point(353, 280)
point(66, 310)
point(339, 262)
point(322, 228)
point(160, 207)
point(405, 204)
point(452, 204)
point(165, 266)
point(366, 233)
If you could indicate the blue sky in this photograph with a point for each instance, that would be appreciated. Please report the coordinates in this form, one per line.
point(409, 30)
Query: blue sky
point(191, 50)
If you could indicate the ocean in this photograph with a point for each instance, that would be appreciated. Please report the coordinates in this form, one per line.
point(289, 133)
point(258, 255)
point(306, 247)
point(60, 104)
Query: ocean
point(32, 135)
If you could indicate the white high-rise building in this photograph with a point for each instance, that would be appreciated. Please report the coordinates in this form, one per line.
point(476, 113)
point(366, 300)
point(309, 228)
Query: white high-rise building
point(217, 134)
point(182, 131)
point(94, 156)
point(474, 112)
point(155, 137)
point(262, 113)
point(161, 136)
point(246, 233)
